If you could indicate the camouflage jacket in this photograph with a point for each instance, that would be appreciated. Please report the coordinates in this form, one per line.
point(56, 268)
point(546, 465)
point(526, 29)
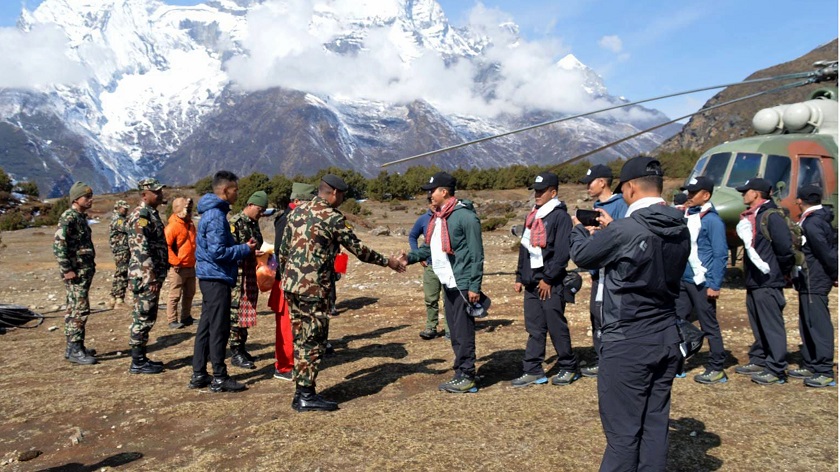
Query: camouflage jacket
point(73, 245)
point(118, 235)
point(243, 229)
point(311, 240)
point(149, 257)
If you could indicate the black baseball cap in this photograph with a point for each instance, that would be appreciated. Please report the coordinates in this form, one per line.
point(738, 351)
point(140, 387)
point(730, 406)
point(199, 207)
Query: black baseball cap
point(638, 167)
point(810, 194)
point(544, 180)
point(699, 183)
point(335, 182)
point(598, 171)
point(680, 198)
point(756, 183)
point(440, 179)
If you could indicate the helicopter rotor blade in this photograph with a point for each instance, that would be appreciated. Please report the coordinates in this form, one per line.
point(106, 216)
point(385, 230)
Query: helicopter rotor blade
point(819, 75)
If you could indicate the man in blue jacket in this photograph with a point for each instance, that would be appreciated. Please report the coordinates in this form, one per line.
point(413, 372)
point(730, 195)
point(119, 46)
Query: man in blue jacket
point(598, 180)
point(767, 261)
point(643, 255)
point(703, 276)
point(431, 283)
point(814, 281)
point(217, 256)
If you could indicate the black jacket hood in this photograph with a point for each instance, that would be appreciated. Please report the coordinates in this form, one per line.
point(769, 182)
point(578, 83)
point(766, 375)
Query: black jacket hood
point(662, 220)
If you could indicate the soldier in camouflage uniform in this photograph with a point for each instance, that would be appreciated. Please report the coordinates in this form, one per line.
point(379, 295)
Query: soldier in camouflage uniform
point(245, 226)
point(118, 239)
point(73, 247)
point(147, 270)
point(311, 240)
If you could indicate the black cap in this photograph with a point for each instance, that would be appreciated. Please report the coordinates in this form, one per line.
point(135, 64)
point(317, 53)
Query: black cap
point(638, 167)
point(335, 182)
point(599, 171)
point(699, 183)
point(544, 181)
point(571, 285)
point(756, 183)
point(680, 198)
point(440, 179)
point(811, 194)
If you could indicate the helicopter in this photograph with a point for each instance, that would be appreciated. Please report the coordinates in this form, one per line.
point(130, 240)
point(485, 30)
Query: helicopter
point(796, 145)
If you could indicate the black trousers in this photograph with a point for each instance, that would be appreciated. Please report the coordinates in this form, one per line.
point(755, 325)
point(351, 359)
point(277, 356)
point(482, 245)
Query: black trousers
point(546, 317)
point(817, 334)
point(693, 297)
point(634, 400)
point(461, 331)
point(595, 318)
point(213, 328)
point(764, 307)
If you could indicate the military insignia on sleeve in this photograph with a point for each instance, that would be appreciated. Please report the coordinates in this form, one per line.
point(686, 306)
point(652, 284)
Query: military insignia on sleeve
point(142, 222)
point(232, 229)
point(119, 221)
point(348, 225)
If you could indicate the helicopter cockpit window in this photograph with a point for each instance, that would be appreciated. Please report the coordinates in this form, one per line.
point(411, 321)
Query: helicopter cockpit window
point(698, 168)
point(744, 167)
point(716, 168)
point(810, 172)
point(777, 170)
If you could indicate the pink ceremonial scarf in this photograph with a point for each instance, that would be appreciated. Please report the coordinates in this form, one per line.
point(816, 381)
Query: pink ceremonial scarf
point(443, 214)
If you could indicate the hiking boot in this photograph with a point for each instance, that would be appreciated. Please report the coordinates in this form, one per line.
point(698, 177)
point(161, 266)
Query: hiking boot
point(428, 334)
point(529, 379)
point(589, 371)
point(199, 380)
point(75, 353)
point(711, 376)
point(749, 369)
point(226, 384)
point(820, 381)
point(176, 325)
point(282, 375)
point(187, 321)
point(460, 384)
point(144, 366)
point(239, 360)
point(565, 377)
point(308, 400)
point(800, 373)
point(679, 375)
point(768, 378)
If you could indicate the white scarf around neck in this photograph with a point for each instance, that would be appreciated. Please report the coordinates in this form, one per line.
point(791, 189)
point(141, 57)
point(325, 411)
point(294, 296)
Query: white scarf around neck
point(534, 252)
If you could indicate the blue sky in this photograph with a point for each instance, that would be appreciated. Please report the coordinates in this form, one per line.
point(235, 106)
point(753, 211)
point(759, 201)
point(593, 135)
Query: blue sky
point(653, 47)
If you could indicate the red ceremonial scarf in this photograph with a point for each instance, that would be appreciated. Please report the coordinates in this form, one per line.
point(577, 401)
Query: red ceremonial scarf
point(537, 228)
point(443, 214)
point(750, 214)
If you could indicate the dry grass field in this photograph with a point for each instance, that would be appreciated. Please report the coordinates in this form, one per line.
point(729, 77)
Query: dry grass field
point(86, 418)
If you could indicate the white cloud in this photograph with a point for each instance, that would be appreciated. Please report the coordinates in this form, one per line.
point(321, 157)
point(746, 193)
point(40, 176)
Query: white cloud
point(36, 58)
point(286, 41)
point(612, 43)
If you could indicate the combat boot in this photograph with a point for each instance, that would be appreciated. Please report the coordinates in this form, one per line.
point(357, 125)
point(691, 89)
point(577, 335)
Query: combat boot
point(238, 359)
point(89, 352)
point(140, 364)
point(242, 349)
point(311, 401)
point(76, 353)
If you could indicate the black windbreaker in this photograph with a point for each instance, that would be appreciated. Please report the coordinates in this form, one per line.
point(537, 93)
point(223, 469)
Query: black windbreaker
point(820, 251)
point(777, 254)
point(644, 256)
point(558, 225)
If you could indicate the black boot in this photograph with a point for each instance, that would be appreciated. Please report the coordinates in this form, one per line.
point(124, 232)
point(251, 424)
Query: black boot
point(140, 364)
point(226, 384)
point(238, 359)
point(243, 335)
point(89, 352)
point(311, 401)
point(75, 353)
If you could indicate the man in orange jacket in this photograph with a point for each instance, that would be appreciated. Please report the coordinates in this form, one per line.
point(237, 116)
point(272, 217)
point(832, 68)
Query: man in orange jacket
point(180, 240)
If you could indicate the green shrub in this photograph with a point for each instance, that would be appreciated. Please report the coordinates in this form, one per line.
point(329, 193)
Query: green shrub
point(50, 216)
point(352, 207)
point(491, 224)
point(204, 185)
point(28, 188)
point(13, 220)
point(5, 181)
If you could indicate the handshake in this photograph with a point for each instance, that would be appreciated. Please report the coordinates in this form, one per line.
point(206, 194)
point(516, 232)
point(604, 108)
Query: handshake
point(398, 262)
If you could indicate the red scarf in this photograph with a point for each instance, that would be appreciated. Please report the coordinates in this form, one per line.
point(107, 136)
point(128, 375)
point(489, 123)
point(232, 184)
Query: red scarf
point(537, 228)
point(750, 214)
point(443, 214)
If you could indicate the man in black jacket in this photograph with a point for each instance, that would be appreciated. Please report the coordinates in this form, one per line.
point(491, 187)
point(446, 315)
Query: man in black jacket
point(767, 262)
point(543, 256)
point(643, 255)
point(814, 282)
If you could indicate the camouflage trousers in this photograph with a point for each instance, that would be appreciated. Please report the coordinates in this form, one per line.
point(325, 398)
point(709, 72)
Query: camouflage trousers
point(120, 282)
point(78, 305)
point(310, 322)
point(144, 314)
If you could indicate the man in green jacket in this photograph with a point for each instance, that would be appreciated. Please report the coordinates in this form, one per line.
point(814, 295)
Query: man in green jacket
point(454, 244)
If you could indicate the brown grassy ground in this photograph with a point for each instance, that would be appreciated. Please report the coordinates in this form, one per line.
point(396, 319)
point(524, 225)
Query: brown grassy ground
point(392, 417)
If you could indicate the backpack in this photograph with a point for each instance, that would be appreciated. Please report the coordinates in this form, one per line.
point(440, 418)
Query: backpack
point(795, 233)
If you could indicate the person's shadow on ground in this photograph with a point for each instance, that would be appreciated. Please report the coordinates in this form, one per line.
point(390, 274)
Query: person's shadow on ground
point(689, 444)
point(116, 460)
point(372, 380)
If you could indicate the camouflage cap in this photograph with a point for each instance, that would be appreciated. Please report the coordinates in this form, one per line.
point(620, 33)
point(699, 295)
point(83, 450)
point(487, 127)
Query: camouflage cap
point(79, 190)
point(150, 184)
point(302, 191)
point(121, 204)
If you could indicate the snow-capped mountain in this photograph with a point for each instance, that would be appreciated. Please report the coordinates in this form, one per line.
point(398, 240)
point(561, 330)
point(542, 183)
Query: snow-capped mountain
point(179, 92)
